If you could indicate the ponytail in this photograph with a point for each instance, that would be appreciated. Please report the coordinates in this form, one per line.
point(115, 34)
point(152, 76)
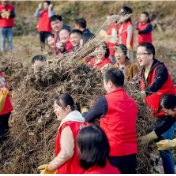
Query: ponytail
point(78, 106)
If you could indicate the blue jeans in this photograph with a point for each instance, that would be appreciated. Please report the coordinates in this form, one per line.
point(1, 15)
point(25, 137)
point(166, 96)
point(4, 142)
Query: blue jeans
point(6, 32)
point(166, 155)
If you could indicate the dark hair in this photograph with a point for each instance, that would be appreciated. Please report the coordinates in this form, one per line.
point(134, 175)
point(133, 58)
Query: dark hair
point(39, 58)
point(81, 22)
point(87, 37)
point(76, 31)
point(50, 35)
point(105, 47)
point(147, 14)
point(123, 48)
point(93, 146)
point(66, 100)
point(127, 10)
point(48, 2)
point(167, 101)
point(65, 28)
point(149, 48)
point(115, 76)
point(55, 17)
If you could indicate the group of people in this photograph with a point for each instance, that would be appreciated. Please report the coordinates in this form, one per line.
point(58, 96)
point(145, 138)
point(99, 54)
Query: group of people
point(111, 148)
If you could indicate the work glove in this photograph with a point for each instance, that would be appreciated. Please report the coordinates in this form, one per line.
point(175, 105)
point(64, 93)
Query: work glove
point(166, 144)
point(142, 94)
point(129, 45)
point(84, 109)
point(43, 169)
point(5, 14)
point(149, 137)
point(3, 95)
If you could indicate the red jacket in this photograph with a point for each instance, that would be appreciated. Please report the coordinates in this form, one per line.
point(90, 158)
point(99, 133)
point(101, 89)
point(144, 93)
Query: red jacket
point(111, 45)
point(119, 123)
point(108, 169)
point(144, 37)
point(152, 99)
point(123, 33)
point(44, 22)
point(7, 106)
point(72, 166)
point(3, 21)
point(100, 64)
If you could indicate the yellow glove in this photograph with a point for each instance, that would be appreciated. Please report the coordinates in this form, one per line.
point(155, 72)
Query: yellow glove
point(3, 95)
point(7, 13)
point(129, 45)
point(3, 14)
point(84, 109)
point(166, 144)
point(149, 137)
point(13, 95)
point(43, 169)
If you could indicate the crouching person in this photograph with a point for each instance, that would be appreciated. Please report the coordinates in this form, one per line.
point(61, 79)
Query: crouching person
point(93, 147)
point(66, 160)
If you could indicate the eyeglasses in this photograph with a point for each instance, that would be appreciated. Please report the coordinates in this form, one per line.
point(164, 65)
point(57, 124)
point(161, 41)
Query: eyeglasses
point(140, 54)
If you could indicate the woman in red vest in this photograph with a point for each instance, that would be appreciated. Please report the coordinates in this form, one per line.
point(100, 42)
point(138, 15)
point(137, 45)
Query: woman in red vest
point(5, 113)
point(144, 28)
point(113, 31)
point(93, 147)
point(126, 31)
point(44, 26)
point(66, 160)
point(101, 61)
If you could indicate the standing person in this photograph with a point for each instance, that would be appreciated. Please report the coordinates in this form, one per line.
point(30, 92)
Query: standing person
point(57, 24)
point(117, 112)
point(155, 81)
point(7, 13)
point(66, 155)
point(93, 147)
point(112, 31)
point(123, 63)
point(75, 38)
point(144, 28)
point(126, 31)
point(6, 111)
point(44, 26)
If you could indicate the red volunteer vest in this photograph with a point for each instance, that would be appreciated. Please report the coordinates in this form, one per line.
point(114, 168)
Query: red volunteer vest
point(153, 99)
point(72, 166)
point(3, 21)
point(123, 34)
point(7, 106)
point(100, 64)
point(119, 123)
point(144, 37)
point(111, 45)
point(108, 169)
point(44, 22)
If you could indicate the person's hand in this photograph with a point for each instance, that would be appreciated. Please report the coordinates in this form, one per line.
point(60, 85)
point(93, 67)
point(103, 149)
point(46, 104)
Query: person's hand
point(84, 109)
point(166, 144)
point(129, 45)
point(149, 137)
point(43, 169)
point(50, 6)
point(40, 6)
point(60, 45)
point(142, 94)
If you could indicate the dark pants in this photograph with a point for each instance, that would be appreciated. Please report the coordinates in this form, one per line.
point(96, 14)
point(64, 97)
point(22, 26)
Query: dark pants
point(126, 164)
point(4, 125)
point(43, 36)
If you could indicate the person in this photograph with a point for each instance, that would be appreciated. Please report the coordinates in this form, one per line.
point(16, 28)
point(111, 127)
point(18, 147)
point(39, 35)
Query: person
point(101, 61)
point(44, 26)
point(144, 28)
point(155, 81)
point(117, 112)
point(57, 24)
point(81, 25)
point(64, 43)
point(112, 31)
point(123, 63)
point(75, 38)
point(66, 155)
point(50, 41)
point(7, 14)
point(38, 62)
point(126, 31)
point(7, 108)
point(93, 147)
point(85, 38)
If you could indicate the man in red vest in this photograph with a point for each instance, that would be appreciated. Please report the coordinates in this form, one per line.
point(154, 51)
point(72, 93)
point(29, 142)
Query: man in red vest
point(7, 13)
point(117, 112)
point(44, 26)
point(155, 82)
point(144, 28)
